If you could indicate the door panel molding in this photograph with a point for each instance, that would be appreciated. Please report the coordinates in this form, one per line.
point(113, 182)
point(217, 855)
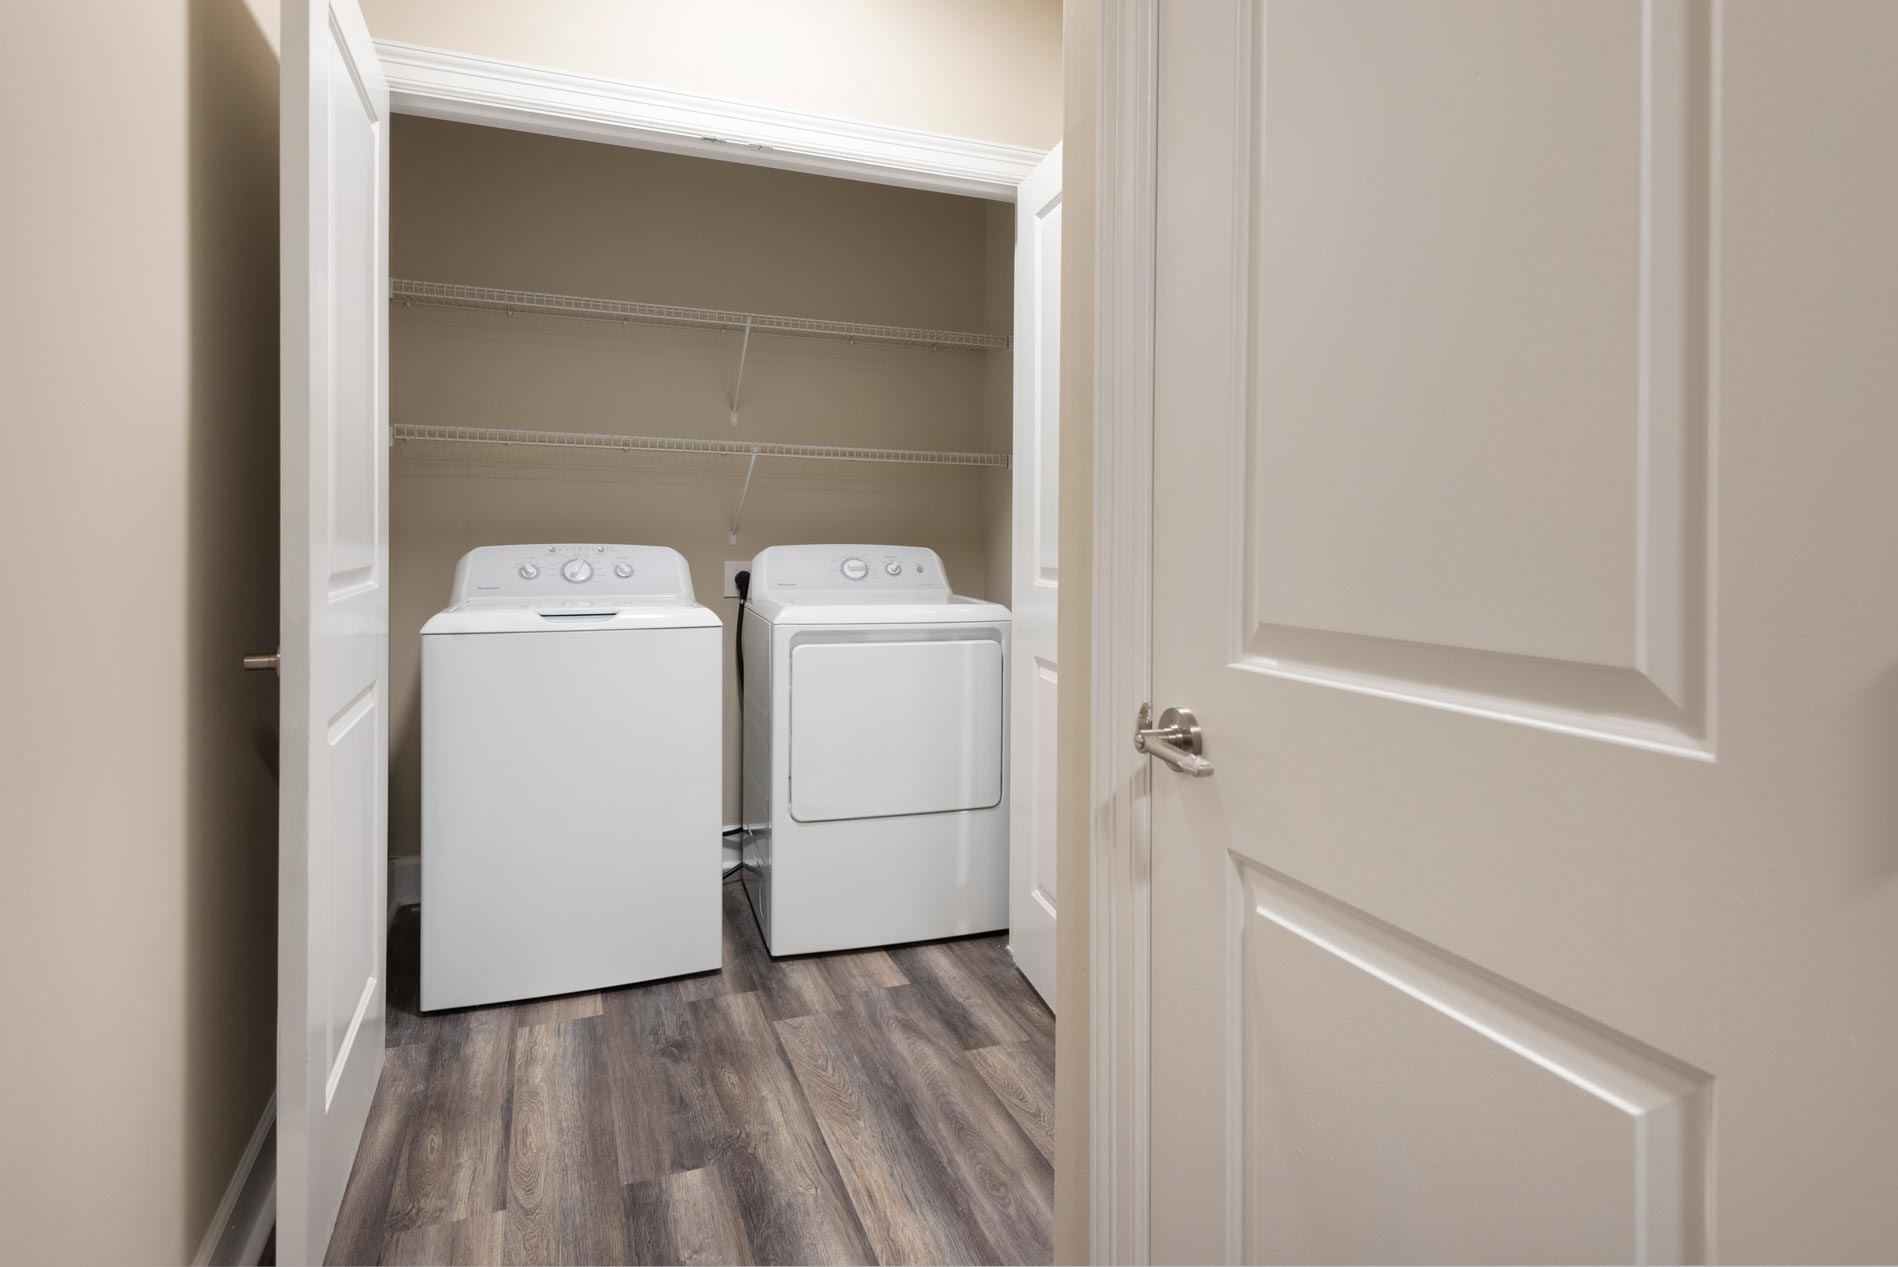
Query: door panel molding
point(1034, 576)
point(1044, 685)
point(1656, 1133)
point(1647, 680)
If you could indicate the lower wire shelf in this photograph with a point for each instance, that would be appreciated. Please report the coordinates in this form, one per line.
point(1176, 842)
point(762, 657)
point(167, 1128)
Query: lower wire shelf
point(750, 449)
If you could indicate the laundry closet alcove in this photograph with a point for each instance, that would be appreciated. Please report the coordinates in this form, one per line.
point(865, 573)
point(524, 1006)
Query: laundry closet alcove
point(523, 421)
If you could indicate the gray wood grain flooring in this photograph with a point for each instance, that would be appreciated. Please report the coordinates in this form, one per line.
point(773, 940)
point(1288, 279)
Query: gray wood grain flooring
point(880, 1106)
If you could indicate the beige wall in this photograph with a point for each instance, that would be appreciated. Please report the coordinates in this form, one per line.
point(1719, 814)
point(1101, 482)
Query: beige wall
point(138, 503)
point(1073, 803)
point(986, 69)
point(490, 207)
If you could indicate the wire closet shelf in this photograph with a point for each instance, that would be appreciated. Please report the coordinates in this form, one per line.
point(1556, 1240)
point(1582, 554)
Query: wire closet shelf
point(671, 444)
point(750, 449)
point(586, 308)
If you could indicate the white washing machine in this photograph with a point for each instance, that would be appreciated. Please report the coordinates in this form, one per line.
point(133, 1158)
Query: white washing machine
point(571, 775)
point(875, 750)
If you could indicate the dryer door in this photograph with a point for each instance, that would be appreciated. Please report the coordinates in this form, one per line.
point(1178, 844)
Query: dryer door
point(885, 728)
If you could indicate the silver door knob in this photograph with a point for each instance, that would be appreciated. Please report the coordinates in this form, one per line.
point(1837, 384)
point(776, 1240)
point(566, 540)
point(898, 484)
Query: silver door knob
point(264, 663)
point(1176, 740)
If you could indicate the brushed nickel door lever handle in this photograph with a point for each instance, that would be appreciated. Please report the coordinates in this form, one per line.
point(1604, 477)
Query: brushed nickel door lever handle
point(1177, 740)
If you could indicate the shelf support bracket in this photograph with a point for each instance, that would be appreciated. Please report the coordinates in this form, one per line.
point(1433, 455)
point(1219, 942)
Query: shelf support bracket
point(739, 386)
point(742, 494)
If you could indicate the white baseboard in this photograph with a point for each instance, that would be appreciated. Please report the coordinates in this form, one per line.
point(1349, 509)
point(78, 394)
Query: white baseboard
point(405, 873)
point(248, 1211)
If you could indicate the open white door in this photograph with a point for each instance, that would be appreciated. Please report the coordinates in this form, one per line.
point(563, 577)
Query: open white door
point(333, 827)
point(1548, 870)
point(1036, 572)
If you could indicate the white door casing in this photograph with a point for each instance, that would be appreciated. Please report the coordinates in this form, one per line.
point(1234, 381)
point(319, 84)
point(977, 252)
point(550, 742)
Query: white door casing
point(333, 819)
point(1521, 464)
point(1036, 572)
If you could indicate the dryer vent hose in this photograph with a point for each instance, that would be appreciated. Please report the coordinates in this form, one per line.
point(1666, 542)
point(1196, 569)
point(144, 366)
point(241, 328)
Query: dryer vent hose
point(741, 581)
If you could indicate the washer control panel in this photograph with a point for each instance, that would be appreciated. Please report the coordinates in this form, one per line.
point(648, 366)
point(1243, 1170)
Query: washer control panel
point(910, 571)
point(563, 572)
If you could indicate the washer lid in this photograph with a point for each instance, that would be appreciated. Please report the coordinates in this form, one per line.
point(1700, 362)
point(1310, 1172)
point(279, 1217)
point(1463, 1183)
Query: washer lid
point(528, 615)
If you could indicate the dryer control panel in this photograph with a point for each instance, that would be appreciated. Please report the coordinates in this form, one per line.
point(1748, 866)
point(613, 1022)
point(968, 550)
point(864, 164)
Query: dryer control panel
point(568, 571)
point(871, 571)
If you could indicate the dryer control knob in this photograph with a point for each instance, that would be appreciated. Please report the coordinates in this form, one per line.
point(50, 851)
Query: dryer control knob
point(855, 569)
point(577, 570)
point(622, 570)
point(529, 571)
point(893, 568)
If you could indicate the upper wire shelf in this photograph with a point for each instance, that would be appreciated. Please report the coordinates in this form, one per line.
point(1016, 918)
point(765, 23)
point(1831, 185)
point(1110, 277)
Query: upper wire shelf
point(671, 444)
point(493, 299)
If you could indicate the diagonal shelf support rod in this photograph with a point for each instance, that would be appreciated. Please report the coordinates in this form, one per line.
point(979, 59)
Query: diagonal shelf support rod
point(743, 493)
point(739, 386)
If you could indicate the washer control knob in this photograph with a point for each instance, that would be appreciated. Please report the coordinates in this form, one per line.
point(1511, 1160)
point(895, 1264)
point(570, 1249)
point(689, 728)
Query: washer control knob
point(893, 568)
point(855, 569)
point(529, 571)
point(622, 569)
point(577, 570)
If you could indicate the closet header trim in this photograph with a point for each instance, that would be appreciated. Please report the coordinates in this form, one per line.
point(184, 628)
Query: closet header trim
point(468, 88)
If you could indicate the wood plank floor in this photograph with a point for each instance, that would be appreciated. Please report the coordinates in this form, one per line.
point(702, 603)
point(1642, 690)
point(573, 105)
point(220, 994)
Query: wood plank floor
point(866, 1107)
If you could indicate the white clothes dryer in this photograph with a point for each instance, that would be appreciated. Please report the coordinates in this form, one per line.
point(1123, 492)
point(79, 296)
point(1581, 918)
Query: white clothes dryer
point(875, 750)
point(571, 775)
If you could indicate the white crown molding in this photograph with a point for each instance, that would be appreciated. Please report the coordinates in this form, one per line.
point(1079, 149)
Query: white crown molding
point(471, 89)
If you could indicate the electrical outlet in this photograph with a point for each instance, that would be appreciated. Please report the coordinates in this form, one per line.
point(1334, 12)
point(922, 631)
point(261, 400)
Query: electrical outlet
point(732, 568)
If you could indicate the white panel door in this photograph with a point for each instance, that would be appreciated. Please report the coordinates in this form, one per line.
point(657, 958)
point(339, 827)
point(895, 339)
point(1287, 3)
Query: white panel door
point(1036, 572)
point(1524, 541)
point(335, 558)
